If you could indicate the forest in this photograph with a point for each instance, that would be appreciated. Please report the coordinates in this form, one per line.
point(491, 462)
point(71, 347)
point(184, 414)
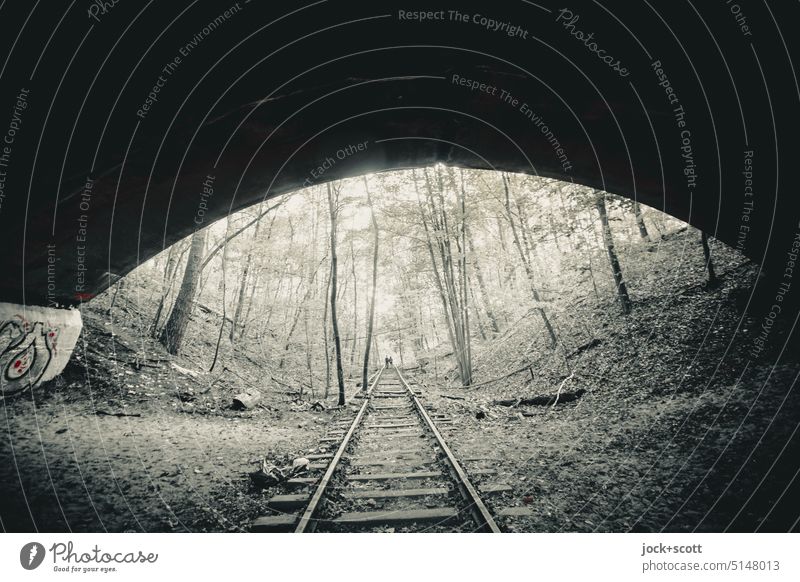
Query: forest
point(419, 264)
point(594, 349)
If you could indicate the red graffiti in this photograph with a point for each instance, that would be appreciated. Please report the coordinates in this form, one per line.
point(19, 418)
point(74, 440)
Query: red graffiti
point(25, 353)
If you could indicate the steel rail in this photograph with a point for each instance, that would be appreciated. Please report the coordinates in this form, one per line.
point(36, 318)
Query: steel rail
point(307, 523)
point(480, 513)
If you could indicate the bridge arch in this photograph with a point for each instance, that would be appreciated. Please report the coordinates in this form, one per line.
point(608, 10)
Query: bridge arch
point(678, 130)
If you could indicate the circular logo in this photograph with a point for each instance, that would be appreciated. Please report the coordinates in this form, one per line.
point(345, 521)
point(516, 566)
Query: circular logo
point(31, 555)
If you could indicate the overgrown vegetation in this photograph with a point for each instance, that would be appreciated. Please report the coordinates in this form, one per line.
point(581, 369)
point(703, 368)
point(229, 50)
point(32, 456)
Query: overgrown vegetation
point(495, 290)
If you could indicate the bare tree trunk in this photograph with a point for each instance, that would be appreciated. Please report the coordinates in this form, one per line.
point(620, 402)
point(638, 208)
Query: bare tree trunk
point(608, 239)
point(309, 366)
point(591, 274)
point(713, 280)
point(303, 302)
point(571, 222)
point(337, 342)
point(482, 284)
point(478, 319)
point(399, 338)
point(467, 380)
point(325, 336)
point(355, 309)
point(228, 238)
point(224, 306)
point(453, 295)
point(637, 213)
point(526, 264)
point(437, 276)
point(117, 286)
point(254, 286)
point(453, 282)
point(371, 319)
point(173, 333)
point(237, 313)
point(173, 260)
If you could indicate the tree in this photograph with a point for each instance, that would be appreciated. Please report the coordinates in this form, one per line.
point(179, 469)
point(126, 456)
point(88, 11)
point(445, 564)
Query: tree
point(325, 336)
point(337, 343)
point(173, 260)
point(224, 303)
point(355, 310)
point(637, 213)
point(302, 304)
point(608, 240)
point(526, 263)
point(476, 266)
point(371, 317)
point(448, 263)
point(713, 281)
point(244, 281)
point(173, 333)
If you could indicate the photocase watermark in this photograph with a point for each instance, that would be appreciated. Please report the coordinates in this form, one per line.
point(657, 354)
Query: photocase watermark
point(486, 22)
point(31, 555)
point(81, 238)
point(99, 8)
point(329, 162)
point(206, 192)
point(51, 275)
point(748, 204)
point(67, 559)
point(509, 99)
point(10, 136)
point(172, 66)
point(679, 114)
point(741, 19)
point(784, 286)
point(569, 20)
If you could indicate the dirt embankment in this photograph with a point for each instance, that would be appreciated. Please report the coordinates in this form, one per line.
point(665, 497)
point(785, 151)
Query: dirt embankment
point(678, 430)
point(132, 439)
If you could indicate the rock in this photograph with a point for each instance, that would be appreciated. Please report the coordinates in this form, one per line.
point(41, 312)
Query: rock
point(245, 400)
point(300, 464)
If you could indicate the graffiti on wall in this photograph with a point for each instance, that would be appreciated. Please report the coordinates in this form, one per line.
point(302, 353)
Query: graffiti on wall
point(26, 351)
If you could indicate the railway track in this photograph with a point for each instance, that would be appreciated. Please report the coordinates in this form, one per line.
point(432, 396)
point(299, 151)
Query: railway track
point(387, 468)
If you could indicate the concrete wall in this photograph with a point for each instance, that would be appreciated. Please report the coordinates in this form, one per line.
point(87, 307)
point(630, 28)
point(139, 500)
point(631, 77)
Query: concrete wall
point(35, 344)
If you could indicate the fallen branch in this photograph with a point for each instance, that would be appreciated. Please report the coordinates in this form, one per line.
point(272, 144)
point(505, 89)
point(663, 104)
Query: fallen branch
point(117, 414)
point(561, 386)
point(587, 346)
point(453, 397)
point(545, 400)
point(287, 384)
point(503, 377)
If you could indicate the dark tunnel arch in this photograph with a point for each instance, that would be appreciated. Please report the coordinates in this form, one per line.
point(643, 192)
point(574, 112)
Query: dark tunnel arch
point(619, 134)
